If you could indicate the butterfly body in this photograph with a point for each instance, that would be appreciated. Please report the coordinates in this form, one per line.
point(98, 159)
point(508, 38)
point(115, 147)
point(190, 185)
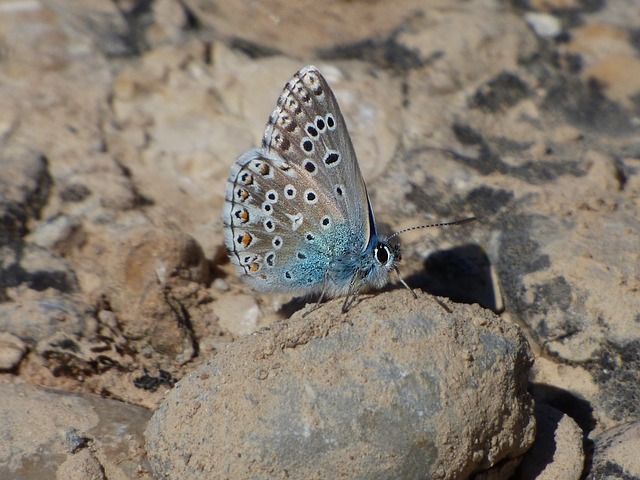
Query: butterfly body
point(297, 216)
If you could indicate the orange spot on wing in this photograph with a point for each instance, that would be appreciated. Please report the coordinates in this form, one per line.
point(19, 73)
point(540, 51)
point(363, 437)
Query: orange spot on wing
point(243, 194)
point(246, 239)
point(246, 178)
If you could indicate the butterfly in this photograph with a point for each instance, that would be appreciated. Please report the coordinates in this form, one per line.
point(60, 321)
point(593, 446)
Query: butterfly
point(297, 216)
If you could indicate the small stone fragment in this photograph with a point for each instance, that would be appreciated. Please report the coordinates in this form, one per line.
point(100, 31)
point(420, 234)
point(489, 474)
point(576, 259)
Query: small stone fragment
point(12, 349)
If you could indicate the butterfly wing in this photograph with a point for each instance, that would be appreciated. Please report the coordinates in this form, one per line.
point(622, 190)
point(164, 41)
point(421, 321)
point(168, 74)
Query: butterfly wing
point(308, 131)
point(299, 203)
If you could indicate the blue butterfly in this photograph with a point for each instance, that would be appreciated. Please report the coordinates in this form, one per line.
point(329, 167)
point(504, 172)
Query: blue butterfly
point(297, 217)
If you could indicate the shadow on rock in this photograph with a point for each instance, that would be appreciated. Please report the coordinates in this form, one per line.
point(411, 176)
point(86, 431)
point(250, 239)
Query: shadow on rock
point(463, 274)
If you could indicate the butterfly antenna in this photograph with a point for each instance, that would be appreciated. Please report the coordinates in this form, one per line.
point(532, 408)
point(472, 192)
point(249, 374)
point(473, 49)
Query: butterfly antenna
point(443, 224)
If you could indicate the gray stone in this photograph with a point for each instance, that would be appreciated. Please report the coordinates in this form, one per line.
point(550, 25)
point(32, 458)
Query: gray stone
point(102, 25)
point(557, 451)
point(55, 232)
point(37, 268)
point(544, 24)
point(74, 441)
point(67, 425)
point(395, 388)
point(12, 349)
point(616, 453)
point(35, 316)
point(82, 466)
point(536, 138)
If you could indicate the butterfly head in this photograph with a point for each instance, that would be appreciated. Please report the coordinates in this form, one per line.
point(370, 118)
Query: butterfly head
point(384, 258)
point(386, 254)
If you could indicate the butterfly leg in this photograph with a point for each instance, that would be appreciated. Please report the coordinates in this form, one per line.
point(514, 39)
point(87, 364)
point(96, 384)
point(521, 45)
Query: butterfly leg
point(404, 283)
point(447, 309)
point(355, 286)
point(414, 293)
point(325, 284)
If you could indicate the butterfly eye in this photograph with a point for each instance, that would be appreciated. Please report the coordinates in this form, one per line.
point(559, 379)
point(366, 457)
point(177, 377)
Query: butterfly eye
point(382, 254)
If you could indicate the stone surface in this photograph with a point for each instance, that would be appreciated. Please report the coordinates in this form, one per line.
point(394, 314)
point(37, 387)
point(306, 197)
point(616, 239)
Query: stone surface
point(153, 277)
point(239, 314)
point(83, 465)
point(12, 349)
point(616, 453)
point(37, 423)
point(544, 24)
point(389, 390)
point(304, 35)
point(29, 265)
point(24, 188)
point(119, 123)
point(557, 451)
point(34, 316)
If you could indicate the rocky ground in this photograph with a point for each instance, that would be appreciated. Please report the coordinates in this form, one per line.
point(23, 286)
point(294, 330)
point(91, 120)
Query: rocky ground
point(119, 122)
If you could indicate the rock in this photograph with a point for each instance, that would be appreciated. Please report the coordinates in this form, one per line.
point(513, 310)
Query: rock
point(544, 24)
point(238, 314)
point(82, 466)
point(616, 453)
point(395, 388)
point(120, 120)
point(35, 267)
point(74, 441)
point(155, 279)
point(573, 291)
point(309, 34)
point(110, 433)
point(221, 284)
point(56, 233)
point(170, 22)
point(64, 338)
point(24, 188)
point(12, 349)
point(34, 316)
point(77, 357)
point(105, 26)
point(557, 451)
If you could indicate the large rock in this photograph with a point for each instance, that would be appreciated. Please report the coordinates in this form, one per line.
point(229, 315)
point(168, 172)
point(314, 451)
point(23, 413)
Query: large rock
point(616, 453)
point(395, 388)
point(49, 434)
